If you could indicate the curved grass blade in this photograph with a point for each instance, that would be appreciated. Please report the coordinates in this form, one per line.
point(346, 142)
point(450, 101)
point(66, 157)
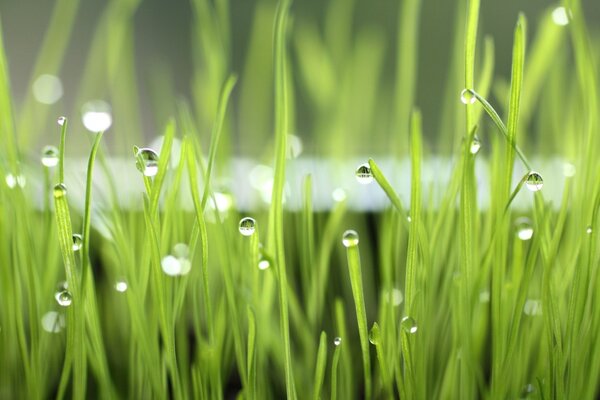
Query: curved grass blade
point(320, 367)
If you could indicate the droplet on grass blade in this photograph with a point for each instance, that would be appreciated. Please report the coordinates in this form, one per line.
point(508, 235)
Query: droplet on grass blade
point(374, 334)
point(77, 241)
point(53, 322)
point(170, 265)
point(50, 156)
point(363, 174)
point(96, 116)
point(524, 229)
point(247, 226)
point(264, 264)
point(350, 238)
point(146, 161)
point(534, 181)
point(467, 96)
point(532, 307)
point(13, 181)
point(63, 298)
point(475, 145)
point(409, 325)
point(60, 190)
point(337, 341)
point(121, 286)
point(588, 230)
point(61, 120)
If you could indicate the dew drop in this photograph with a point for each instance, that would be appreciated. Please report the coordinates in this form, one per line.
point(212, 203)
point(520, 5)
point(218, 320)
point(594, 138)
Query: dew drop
point(96, 116)
point(181, 250)
point(350, 238)
point(121, 286)
point(532, 307)
point(534, 181)
point(146, 161)
point(77, 242)
point(337, 341)
point(13, 181)
point(395, 295)
point(61, 120)
point(560, 16)
point(467, 96)
point(53, 322)
point(363, 174)
point(409, 325)
point(339, 194)
point(475, 145)
point(49, 156)
point(47, 89)
point(524, 229)
point(60, 190)
point(374, 334)
point(264, 264)
point(527, 391)
point(247, 226)
point(171, 265)
point(63, 298)
point(588, 230)
point(294, 146)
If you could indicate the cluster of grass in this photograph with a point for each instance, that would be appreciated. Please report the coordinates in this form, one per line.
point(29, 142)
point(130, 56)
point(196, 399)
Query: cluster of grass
point(418, 301)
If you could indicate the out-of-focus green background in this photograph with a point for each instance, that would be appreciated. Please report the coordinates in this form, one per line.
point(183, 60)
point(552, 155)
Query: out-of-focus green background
point(163, 69)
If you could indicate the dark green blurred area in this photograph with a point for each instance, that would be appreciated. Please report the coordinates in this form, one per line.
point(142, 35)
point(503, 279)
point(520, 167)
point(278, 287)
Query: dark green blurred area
point(164, 61)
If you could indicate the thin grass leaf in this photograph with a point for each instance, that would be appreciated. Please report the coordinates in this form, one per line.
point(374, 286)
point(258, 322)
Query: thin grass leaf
point(320, 367)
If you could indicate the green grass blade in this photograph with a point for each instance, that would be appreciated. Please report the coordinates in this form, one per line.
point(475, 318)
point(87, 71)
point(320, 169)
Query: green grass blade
point(320, 367)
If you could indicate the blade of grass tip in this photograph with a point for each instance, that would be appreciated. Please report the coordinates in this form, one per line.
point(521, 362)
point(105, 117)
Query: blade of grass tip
point(388, 189)
point(75, 327)
point(163, 166)
point(7, 126)
point(320, 367)
point(62, 148)
point(251, 367)
point(276, 211)
point(350, 240)
point(467, 210)
point(376, 338)
point(216, 133)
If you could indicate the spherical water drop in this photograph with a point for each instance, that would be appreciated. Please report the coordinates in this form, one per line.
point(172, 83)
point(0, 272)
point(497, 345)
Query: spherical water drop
point(96, 116)
point(532, 307)
point(53, 322)
point(61, 120)
point(409, 325)
point(467, 96)
point(247, 226)
point(524, 229)
point(60, 190)
point(186, 266)
point(63, 298)
point(560, 16)
point(350, 238)
point(337, 341)
point(264, 264)
point(146, 161)
point(396, 296)
point(181, 250)
point(50, 156)
point(77, 242)
point(475, 145)
point(13, 181)
point(374, 334)
point(47, 89)
point(121, 286)
point(363, 174)
point(534, 181)
point(171, 265)
point(588, 230)
point(339, 194)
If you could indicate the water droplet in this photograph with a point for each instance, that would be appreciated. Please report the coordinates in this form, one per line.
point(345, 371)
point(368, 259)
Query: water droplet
point(171, 265)
point(484, 297)
point(121, 286)
point(374, 334)
point(61, 120)
point(560, 16)
point(221, 201)
point(96, 116)
point(337, 341)
point(47, 89)
point(363, 174)
point(396, 296)
point(146, 161)
point(246, 226)
point(524, 229)
point(53, 322)
point(527, 390)
point(409, 325)
point(569, 169)
point(50, 156)
point(13, 181)
point(588, 230)
point(60, 190)
point(264, 264)
point(77, 242)
point(181, 250)
point(467, 96)
point(294, 146)
point(475, 145)
point(408, 219)
point(63, 298)
point(534, 181)
point(350, 238)
point(339, 194)
point(186, 266)
point(532, 307)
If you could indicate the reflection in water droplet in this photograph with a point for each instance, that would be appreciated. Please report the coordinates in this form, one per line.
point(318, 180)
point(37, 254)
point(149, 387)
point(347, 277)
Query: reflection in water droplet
point(77, 241)
point(337, 341)
point(350, 238)
point(96, 116)
point(467, 96)
point(534, 181)
point(524, 229)
point(63, 298)
point(60, 190)
point(61, 120)
point(475, 145)
point(560, 16)
point(363, 174)
point(247, 226)
point(49, 156)
point(409, 325)
point(146, 161)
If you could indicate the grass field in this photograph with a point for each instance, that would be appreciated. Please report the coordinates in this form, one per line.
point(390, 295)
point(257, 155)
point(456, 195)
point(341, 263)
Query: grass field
point(134, 273)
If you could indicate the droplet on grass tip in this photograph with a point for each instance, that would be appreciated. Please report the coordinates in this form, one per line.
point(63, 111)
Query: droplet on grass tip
point(121, 286)
point(560, 16)
point(60, 190)
point(61, 120)
point(337, 341)
point(467, 96)
point(264, 264)
point(77, 241)
point(524, 229)
point(53, 322)
point(350, 238)
point(96, 116)
point(50, 156)
point(247, 226)
point(63, 298)
point(588, 230)
point(363, 174)
point(475, 145)
point(409, 325)
point(146, 161)
point(374, 334)
point(534, 181)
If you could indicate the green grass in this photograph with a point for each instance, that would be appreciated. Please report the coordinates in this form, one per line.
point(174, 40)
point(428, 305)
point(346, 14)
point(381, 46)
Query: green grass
point(460, 304)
